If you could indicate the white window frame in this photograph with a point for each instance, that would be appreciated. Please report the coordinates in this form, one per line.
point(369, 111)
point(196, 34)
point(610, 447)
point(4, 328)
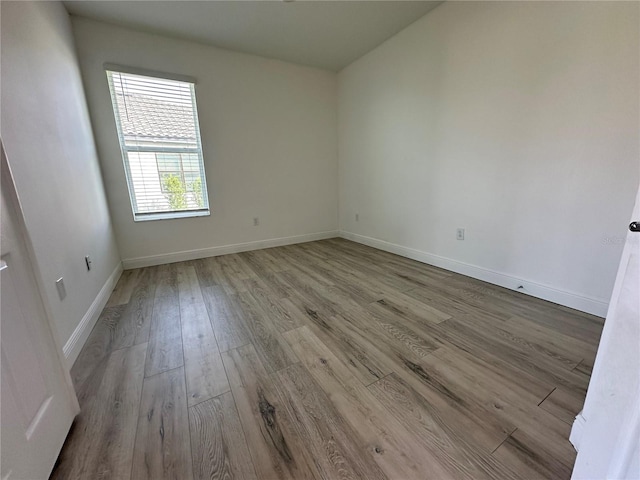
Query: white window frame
point(170, 214)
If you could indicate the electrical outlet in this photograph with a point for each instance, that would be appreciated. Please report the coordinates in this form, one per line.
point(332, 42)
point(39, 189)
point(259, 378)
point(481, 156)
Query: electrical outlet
point(256, 221)
point(460, 234)
point(62, 292)
point(357, 217)
point(87, 260)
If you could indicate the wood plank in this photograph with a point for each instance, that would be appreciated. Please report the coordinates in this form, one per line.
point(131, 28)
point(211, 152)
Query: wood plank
point(124, 287)
point(162, 449)
point(505, 374)
point(452, 361)
point(365, 361)
point(311, 249)
point(563, 344)
point(389, 444)
point(274, 259)
point(373, 320)
point(205, 270)
point(261, 263)
point(117, 327)
point(585, 367)
point(290, 316)
point(440, 298)
point(415, 310)
point(165, 339)
point(233, 271)
point(301, 262)
point(218, 444)
point(449, 446)
point(318, 301)
point(274, 352)
point(461, 300)
point(520, 302)
point(528, 341)
point(465, 289)
point(373, 255)
point(379, 279)
point(345, 283)
point(438, 337)
point(101, 443)
point(368, 275)
point(204, 371)
point(563, 405)
point(578, 324)
point(329, 438)
point(530, 458)
point(188, 285)
point(135, 323)
point(456, 406)
point(167, 281)
point(277, 285)
point(391, 273)
point(539, 365)
point(283, 313)
point(501, 400)
point(401, 336)
point(141, 305)
point(308, 295)
point(226, 318)
point(89, 367)
point(345, 280)
point(388, 259)
point(276, 448)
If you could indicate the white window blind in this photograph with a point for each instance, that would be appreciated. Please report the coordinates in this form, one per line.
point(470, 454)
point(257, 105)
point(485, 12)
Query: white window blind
point(157, 124)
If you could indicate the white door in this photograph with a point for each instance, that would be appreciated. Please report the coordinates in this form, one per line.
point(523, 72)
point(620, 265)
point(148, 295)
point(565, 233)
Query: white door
point(38, 403)
point(607, 431)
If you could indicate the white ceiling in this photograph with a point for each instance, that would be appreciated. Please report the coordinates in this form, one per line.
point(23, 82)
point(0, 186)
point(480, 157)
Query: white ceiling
point(325, 34)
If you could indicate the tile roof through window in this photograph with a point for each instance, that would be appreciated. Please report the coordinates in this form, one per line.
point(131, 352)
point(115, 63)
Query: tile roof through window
point(145, 117)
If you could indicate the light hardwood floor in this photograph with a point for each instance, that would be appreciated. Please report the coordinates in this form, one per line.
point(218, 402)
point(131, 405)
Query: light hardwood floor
point(326, 360)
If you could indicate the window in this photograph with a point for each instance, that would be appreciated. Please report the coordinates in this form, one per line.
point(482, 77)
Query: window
point(157, 124)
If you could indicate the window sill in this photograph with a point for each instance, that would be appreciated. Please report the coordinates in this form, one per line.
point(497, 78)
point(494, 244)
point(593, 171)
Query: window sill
point(146, 217)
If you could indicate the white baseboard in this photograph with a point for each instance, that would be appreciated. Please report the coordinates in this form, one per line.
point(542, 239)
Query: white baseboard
point(79, 336)
point(577, 430)
point(583, 303)
point(152, 260)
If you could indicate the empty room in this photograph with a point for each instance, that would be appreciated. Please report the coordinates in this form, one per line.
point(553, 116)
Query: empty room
point(320, 240)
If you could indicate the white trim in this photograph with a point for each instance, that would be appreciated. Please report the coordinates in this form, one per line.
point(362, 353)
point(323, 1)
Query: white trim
point(152, 260)
point(146, 217)
point(79, 336)
point(577, 430)
point(583, 303)
point(112, 67)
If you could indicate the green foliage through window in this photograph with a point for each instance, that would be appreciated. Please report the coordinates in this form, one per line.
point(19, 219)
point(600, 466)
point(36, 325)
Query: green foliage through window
point(175, 192)
point(196, 188)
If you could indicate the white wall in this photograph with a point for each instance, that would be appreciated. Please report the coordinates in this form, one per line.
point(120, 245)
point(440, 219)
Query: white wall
point(269, 139)
point(49, 145)
point(516, 121)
